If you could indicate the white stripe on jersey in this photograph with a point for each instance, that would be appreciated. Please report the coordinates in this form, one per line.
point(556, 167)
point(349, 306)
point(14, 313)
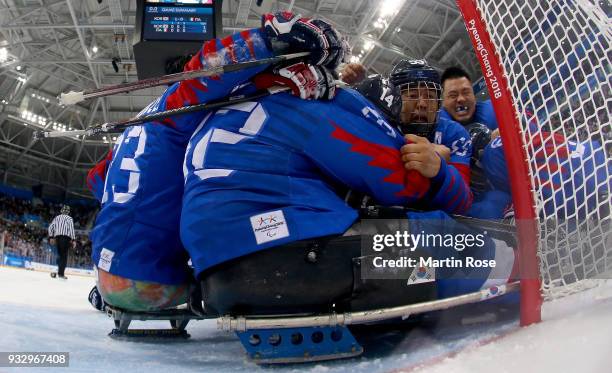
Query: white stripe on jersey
point(61, 225)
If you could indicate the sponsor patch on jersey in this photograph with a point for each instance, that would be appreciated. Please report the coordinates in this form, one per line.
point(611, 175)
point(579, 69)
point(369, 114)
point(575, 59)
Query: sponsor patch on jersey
point(106, 259)
point(269, 226)
point(421, 274)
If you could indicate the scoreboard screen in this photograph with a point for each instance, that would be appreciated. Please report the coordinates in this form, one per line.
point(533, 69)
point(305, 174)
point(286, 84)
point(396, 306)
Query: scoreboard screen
point(179, 20)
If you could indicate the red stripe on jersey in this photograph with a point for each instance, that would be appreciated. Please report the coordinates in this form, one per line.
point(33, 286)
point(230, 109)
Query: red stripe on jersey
point(209, 49)
point(388, 158)
point(99, 170)
point(195, 63)
point(467, 203)
point(449, 189)
point(185, 94)
point(246, 35)
point(550, 144)
point(228, 44)
point(464, 170)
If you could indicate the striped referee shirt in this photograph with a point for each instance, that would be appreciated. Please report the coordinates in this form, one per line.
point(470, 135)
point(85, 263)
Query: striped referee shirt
point(61, 226)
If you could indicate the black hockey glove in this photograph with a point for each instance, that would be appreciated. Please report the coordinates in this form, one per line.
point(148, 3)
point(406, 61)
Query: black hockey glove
point(96, 299)
point(289, 33)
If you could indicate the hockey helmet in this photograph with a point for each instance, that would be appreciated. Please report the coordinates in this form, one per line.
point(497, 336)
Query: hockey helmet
point(385, 97)
point(416, 80)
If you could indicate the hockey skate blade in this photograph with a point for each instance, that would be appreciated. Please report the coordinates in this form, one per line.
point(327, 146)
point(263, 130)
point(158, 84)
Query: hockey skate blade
point(149, 335)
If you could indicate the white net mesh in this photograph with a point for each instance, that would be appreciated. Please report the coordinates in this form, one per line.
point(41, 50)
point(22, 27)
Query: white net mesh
point(556, 55)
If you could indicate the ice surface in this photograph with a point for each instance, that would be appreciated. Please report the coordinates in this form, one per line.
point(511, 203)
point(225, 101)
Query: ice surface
point(38, 313)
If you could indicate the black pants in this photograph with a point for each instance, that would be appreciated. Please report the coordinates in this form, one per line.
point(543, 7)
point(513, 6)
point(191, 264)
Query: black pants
point(63, 243)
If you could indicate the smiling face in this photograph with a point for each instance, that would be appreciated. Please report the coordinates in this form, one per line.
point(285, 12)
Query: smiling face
point(420, 103)
point(459, 100)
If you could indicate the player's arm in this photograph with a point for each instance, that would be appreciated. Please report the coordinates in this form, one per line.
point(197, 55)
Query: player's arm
point(97, 175)
point(365, 157)
point(449, 191)
point(280, 33)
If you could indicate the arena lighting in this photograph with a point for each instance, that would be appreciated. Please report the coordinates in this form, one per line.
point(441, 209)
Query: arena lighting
point(368, 45)
point(390, 7)
point(3, 54)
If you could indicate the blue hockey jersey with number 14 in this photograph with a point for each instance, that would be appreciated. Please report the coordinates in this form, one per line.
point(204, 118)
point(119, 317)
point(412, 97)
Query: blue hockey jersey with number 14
point(262, 174)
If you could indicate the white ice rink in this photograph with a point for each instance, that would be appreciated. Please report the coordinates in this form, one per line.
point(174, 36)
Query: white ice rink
point(41, 314)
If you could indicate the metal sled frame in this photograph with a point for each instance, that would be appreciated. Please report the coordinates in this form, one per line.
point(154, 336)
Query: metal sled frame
point(280, 339)
point(179, 318)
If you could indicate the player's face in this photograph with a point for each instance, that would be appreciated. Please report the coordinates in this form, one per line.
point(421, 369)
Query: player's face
point(419, 104)
point(459, 100)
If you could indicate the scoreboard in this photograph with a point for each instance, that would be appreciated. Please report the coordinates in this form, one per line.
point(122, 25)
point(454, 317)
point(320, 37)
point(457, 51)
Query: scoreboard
point(179, 20)
point(168, 29)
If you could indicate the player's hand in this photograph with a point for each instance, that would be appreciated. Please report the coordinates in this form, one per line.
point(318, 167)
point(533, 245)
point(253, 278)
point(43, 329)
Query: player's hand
point(443, 151)
point(287, 33)
point(306, 81)
point(52, 241)
point(494, 134)
point(353, 73)
point(420, 155)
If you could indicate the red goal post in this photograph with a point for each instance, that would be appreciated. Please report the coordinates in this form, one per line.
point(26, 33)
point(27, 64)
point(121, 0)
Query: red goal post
point(547, 69)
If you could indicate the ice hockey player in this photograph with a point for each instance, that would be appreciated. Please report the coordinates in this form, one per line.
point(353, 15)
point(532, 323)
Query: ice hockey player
point(419, 85)
point(566, 168)
point(460, 103)
point(141, 264)
point(262, 219)
point(422, 117)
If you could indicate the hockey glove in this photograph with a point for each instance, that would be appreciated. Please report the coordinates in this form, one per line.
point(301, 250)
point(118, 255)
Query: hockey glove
point(289, 33)
point(306, 81)
point(96, 299)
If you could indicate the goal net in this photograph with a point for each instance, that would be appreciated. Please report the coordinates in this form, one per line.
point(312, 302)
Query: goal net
point(548, 71)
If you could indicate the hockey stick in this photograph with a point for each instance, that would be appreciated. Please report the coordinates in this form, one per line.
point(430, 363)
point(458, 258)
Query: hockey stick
point(123, 124)
point(72, 97)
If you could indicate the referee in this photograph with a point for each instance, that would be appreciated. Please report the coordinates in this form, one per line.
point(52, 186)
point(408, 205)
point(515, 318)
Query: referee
point(61, 230)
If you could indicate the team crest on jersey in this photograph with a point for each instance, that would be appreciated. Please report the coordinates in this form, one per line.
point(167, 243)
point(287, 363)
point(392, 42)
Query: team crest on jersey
point(269, 226)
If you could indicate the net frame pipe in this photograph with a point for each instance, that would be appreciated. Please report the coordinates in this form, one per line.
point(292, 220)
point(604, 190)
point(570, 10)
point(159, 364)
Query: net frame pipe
point(518, 169)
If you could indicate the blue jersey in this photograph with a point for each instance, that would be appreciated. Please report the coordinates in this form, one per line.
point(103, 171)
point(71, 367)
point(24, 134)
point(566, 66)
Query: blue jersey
point(136, 234)
point(262, 174)
point(486, 205)
point(452, 135)
point(566, 169)
point(484, 113)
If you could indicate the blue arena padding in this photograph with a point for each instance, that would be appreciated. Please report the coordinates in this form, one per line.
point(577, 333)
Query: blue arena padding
point(299, 345)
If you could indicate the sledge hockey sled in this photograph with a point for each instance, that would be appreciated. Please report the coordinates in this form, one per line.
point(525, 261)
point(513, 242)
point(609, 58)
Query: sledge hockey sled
point(307, 320)
point(280, 339)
